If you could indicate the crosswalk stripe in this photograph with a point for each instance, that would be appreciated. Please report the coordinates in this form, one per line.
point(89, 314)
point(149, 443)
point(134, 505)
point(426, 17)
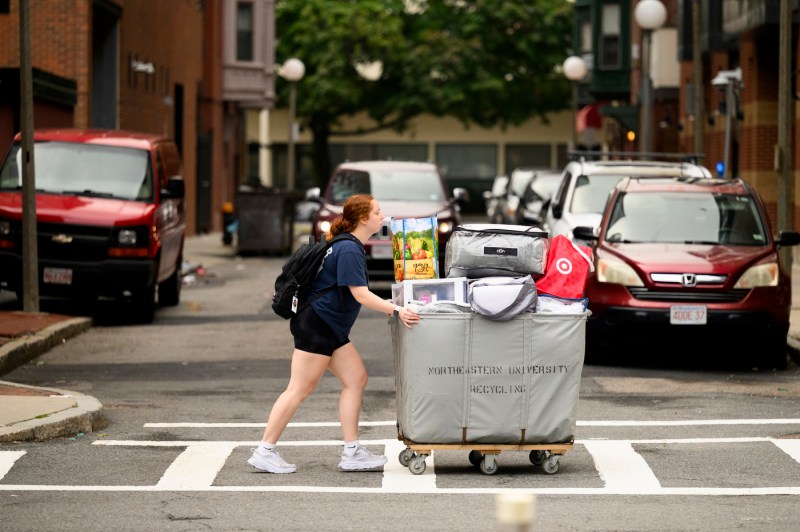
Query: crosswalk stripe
point(197, 466)
point(790, 447)
point(621, 467)
point(7, 459)
point(396, 477)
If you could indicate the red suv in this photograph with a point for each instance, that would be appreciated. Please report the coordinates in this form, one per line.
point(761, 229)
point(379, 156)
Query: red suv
point(404, 190)
point(681, 261)
point(110, 217)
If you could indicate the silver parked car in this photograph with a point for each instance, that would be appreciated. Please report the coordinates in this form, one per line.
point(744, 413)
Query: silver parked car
point(585, 185)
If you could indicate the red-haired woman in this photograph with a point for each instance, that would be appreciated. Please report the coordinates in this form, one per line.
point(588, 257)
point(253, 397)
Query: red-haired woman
point(321, 340)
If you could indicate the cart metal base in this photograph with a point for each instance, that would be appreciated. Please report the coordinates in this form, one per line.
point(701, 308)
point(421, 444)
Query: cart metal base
point(483, 456)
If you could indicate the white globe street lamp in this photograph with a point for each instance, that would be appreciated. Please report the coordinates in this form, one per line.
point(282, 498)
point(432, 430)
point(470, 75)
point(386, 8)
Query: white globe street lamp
point(370, 71)
point(649, 15)
point(574, 69)
point(292, 70)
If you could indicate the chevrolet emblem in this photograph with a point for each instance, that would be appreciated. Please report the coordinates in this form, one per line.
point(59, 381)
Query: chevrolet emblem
point(61, 239)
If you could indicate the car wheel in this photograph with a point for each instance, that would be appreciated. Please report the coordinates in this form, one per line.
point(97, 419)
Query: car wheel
point(774, 355)
point(144, 304)
point(169, 291)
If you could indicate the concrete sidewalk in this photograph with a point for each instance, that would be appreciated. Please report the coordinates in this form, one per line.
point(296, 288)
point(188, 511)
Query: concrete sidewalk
point(32, 413)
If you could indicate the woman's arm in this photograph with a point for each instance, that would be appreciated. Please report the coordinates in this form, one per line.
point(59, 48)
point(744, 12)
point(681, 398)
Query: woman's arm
point(363, 295)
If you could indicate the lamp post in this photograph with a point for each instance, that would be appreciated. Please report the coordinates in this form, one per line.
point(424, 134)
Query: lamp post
point(730, 81)
point(292, 70)
point(574, 69)
point(650, 15)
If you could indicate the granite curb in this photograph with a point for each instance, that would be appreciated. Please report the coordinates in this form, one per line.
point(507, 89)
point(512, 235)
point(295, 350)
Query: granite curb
point(21, 350)
point(86, 415)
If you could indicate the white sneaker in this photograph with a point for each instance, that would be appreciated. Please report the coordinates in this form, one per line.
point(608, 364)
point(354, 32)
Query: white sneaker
point(271, 462)
point(361, 459)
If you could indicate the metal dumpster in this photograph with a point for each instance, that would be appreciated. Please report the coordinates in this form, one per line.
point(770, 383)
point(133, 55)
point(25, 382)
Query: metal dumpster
point(265, 220)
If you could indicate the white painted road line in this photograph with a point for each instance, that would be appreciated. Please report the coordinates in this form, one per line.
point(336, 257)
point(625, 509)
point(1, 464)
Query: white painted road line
point(7, 459)
point(790, 447)
point(620, 467)
point(579, 423)
point(320, 424)
point(197, 466)
point(398, 479)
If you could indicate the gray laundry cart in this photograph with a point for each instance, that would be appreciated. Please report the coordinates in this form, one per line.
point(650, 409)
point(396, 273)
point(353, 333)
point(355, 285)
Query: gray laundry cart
point(467, 383)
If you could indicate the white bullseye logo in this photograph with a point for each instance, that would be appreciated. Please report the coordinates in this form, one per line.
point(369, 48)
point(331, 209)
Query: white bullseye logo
point(563, 266)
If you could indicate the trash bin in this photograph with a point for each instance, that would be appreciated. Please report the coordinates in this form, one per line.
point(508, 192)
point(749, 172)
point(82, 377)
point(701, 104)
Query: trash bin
point(265, 220)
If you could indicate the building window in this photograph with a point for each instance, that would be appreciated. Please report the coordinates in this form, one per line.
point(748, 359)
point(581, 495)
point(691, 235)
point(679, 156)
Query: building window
point(528, 156)
point(244, 31)
point(5, 7)
point(610, 38)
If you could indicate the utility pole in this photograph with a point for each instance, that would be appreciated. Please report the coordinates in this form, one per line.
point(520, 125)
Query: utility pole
point(783, 150)
point(697, 73)
point(30, 255)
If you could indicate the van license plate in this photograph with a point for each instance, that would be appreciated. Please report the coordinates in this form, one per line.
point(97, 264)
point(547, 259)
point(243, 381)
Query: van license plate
point(688, 314)
point(58, 276)
point(381, 252)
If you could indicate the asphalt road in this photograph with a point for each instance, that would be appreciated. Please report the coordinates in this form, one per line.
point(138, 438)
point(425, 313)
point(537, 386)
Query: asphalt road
point(665, 446)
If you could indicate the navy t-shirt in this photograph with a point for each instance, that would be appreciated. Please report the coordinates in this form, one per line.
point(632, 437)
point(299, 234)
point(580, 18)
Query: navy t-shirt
point(345, 264)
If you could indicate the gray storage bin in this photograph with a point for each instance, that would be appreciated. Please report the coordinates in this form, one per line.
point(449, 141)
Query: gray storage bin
point(463, 379)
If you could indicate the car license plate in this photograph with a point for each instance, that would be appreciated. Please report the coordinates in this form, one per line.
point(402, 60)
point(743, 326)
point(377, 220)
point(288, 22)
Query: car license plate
point(688, 315)
point(381, 252)
point(58, 276)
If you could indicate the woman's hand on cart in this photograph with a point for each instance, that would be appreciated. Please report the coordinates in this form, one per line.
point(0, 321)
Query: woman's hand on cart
point(406, 315)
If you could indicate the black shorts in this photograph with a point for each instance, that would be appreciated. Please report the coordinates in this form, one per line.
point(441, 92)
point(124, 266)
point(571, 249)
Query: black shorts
point(313, 335)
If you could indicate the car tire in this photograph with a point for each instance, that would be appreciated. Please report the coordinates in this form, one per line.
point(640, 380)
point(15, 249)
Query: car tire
point(169, 291)
point(144, 304)
point(775, 354)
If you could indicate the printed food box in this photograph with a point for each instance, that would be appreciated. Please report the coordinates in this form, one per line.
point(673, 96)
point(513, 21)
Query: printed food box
point(415, 248)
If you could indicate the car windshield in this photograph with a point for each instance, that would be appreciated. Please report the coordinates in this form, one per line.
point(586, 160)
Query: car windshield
point(73, 168)
point(591, 193)
point(690, 218)
point(389, 185)
point(542, 187)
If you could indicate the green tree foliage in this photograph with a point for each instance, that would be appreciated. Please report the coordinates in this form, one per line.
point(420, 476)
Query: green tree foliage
point(485, 62)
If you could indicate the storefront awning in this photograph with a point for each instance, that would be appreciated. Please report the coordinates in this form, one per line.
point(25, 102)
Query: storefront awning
point(627, 115)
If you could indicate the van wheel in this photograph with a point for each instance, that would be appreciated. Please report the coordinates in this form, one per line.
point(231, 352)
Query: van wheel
point(144, 304)
point(169, 291)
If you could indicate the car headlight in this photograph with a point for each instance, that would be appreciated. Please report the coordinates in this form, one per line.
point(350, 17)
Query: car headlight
point(759, 275)
point(617, 272)
point(5, 228)
point(126, 237)
point(445, 227)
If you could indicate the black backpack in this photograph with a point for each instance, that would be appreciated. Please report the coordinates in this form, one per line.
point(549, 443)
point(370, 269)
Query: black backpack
point(298, 274)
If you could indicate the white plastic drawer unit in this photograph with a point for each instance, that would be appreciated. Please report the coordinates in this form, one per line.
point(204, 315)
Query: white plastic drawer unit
point(430, 291)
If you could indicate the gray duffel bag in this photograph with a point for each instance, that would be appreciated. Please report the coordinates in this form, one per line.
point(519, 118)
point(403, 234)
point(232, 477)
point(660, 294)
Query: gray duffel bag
point(490, 250)
point(502, 298)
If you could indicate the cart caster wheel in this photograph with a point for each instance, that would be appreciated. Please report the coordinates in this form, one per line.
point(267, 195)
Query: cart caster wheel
point(537, 457)
point(475, 458)
point(488, 467)
point(550, 465)
point(405, 457)
point(417, 465)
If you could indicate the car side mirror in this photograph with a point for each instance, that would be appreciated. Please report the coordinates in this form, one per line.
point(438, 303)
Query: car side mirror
point(460, 195)
point(583, 232)
point(558, 210)
point(788, 238)
point(175, 188)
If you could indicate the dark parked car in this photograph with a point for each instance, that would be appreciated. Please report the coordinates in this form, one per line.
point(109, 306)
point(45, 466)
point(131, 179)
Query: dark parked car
point(537, 196)
point(683, 262)
point(404, 190)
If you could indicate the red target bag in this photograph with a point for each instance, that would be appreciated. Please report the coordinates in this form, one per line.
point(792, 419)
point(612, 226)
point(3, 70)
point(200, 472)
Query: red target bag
point(568, 266)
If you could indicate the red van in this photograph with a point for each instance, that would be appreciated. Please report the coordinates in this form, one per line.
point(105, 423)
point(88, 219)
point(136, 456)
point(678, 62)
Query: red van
point(110, 217)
